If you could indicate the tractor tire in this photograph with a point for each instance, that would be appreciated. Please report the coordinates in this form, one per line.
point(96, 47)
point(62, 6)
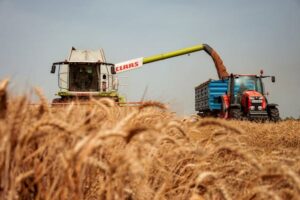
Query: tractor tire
point(274, 114)
point(236, 113)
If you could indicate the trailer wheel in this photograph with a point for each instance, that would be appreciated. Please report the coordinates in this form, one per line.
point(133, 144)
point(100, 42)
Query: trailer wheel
point(274, 114)
point(201, 114)
point(236, 113)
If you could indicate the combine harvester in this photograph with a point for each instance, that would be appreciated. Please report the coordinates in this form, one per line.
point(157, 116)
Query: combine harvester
point(86, 74)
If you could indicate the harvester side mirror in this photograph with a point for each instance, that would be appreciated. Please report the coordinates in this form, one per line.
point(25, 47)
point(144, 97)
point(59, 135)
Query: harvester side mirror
point(53, 69)
point(113, 70)
point(273, 79)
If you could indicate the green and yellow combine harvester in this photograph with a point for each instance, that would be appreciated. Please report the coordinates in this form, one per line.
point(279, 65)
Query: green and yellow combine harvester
point(86, 74)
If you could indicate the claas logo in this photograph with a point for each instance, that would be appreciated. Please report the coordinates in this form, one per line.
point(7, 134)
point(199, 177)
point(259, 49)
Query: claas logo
point(127, 66)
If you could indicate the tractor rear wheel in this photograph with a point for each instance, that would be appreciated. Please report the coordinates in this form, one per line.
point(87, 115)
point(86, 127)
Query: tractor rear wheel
point(236, 113)
point(274, 114)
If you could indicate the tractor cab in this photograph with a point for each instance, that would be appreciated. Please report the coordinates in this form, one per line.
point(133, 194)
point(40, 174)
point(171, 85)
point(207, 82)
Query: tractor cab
point(239, 84)
point(85, 74)
point(246, 83)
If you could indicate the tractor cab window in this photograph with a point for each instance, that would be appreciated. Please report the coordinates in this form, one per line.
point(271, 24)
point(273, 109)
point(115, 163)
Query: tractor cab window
point(83, 77)
point(244, 83)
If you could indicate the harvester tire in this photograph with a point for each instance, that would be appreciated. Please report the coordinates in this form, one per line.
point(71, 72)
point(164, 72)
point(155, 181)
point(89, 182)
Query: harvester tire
point(235, 113)
point(274, 114)
point(56, 100)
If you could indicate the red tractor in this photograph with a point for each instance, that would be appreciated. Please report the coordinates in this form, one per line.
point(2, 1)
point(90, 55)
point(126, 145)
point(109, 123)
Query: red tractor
point(237, 97)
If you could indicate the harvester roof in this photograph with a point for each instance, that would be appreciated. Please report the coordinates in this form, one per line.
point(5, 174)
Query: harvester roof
point(86, 56)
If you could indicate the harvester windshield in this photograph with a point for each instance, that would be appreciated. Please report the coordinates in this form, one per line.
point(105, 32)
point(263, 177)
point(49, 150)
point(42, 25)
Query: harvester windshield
point(83, 77)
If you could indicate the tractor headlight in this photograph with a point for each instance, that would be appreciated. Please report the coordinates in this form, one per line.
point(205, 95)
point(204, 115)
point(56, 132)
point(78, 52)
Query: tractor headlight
point(252, 107)
point(259, 107)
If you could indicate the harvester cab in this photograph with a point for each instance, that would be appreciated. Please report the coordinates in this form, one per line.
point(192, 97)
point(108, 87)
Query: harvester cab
point(85, 74)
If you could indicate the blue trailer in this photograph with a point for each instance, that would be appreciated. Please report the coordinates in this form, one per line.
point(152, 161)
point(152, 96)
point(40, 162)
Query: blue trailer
point(208, 96)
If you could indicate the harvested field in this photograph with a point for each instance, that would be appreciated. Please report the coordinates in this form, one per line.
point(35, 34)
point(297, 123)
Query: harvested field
point(103, 151)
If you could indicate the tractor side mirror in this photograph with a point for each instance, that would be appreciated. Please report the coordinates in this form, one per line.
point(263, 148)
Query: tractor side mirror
point(113, 70)
point(273, 79)
point(53, 69)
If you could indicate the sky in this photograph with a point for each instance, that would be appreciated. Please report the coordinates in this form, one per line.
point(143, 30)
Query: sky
point(249, 36)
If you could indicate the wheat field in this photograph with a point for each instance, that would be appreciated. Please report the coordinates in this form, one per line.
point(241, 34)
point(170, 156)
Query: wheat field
point(103, 151)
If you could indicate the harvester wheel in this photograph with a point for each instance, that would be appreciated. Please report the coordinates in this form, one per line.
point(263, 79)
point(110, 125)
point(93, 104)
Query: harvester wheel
point(274, 114)
point(236, 113)
point(56, 100)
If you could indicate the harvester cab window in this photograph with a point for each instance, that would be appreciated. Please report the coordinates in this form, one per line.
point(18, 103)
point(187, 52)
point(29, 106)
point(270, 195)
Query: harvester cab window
point(83, 77)
point(106, 78)
point(63, 76)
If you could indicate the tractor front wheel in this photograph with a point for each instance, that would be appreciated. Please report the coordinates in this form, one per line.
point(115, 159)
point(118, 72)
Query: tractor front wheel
point(236, 113)
point(274, 114)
